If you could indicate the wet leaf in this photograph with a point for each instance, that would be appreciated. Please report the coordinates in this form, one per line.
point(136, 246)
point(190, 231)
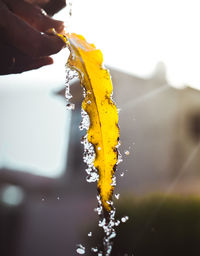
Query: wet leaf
point(103, 132)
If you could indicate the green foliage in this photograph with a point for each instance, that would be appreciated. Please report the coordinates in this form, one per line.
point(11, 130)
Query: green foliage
point(159, 226)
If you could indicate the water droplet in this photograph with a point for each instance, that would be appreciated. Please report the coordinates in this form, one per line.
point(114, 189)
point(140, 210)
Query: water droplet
point(43, 199)
point(109, 202)
point(119, 160)
point(102, 222)
point(122, 174)
point(99, 210)
point(114, 182)
point(80, 249)
point(117, 196)
point(94, 249)
point(89, 102)
point(85, 123)
point(92, 177)
point(70, 75)
point(70, 106)
point(58, 198)
point(99, 148)
point(112, 235)
point(117, 222)
point(90, 234)
point(68, 95)
point(126, 152)
point(124, 219)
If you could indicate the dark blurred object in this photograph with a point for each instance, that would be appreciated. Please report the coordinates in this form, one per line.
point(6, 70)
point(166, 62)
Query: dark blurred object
point(54, 6)
point(194, 126)
point(10, 221)
point(50, 6)
point(159, 225)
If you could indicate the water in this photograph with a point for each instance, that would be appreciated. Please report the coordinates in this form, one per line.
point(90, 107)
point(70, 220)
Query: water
point(108, 223)
point(92, 177)
point(70, 75)
point(117, 196)
point(124, 219)
point(120, 159)
point(95, 249)
point(127, 152)
point(80, 249)
point(90, 234)
point(108, 226)
point(85, 123)
point(70, 106)
point(107, 220)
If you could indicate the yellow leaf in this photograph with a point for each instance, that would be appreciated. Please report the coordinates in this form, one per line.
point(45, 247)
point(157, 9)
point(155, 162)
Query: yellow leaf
point(103, 132)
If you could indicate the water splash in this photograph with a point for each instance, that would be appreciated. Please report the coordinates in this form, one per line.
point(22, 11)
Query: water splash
point(90, 234)
point(127, 152)
point(120, 158)
point(117, 196)
point(70, 75)
point(70, 106)
point(117, 222)
point(85, 123)
point(124, 219)
point(94, 249)
point(105, 209)
point(80, 249)
point(92, 173)
point(107, 223)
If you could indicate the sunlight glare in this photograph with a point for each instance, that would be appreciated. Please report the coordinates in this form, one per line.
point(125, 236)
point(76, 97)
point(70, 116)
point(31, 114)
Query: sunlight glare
point(135, 35)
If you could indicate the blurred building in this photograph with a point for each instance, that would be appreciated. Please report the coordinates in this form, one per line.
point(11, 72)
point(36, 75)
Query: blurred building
point(159, 133)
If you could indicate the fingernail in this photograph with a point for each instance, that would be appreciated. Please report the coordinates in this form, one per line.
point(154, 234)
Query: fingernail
point(49, 60)
point(44, 61)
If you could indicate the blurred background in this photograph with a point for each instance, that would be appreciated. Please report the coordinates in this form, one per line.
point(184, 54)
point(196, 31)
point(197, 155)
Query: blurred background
point(46, 206)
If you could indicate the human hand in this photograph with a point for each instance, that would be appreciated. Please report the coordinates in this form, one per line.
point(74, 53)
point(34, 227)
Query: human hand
point(24, 45)
point(50, 6)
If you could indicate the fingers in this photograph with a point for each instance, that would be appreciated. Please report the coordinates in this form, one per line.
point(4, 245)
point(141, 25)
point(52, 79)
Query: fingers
point(54, 6)
point(25, 64)
point(50, 6)
point(12, 61)
point(25, 38)
point(34, 15)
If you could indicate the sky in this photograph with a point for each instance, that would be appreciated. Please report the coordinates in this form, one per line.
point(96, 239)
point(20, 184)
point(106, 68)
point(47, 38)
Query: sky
point(134, 35)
